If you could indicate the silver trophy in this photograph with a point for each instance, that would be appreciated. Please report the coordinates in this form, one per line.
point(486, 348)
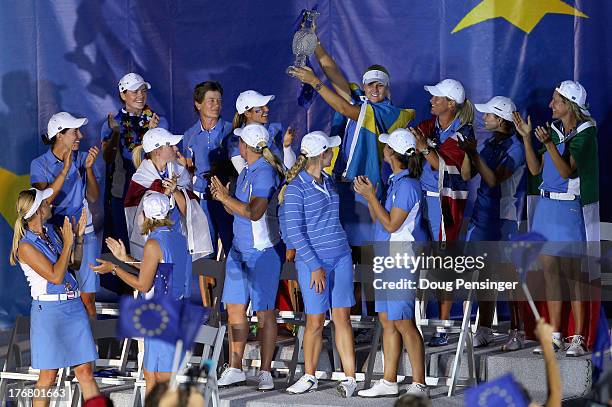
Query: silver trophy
point(304, 39)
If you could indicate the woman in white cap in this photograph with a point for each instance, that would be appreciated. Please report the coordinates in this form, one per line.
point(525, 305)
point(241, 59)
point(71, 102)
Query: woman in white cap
point(252, 108)
point(397, 219)
point(254, 263)
point(60, 334)
point(120, 134)
point(500, 199)
point(438, 141)
point(165, 270)
point(363, 111)
point(568, 210)
point(323, 257)
point(70, 173)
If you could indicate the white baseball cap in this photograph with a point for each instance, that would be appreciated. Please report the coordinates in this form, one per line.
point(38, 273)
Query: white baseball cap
point(400, 140)
point(449, 88)
point(155, 205)
point(316, 142)
point(41, 195)
point(498, 105)
point(132, 81)
point(375, 76)
point(251, 98)
point(61, 121)
point(158, 137)
point(575, 92)
point(253, 134)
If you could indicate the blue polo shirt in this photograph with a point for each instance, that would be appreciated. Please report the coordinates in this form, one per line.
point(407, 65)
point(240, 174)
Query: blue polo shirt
point(552, 181)
point(276, 132)
point(259, 180)
point(175, 273)
point(405, 193)
point(429, 177)
point(505, 200)
point(206, 149)
point(70, 200)
point(312, 215)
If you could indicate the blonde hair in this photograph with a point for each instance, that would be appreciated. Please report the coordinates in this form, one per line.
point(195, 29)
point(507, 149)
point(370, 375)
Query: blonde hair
point(273, 160)
point(148, 225)
point(465, 112)
point(25, 200)
point(138, 155)
point(239, 121)
point(293, 172)
point(577, 111)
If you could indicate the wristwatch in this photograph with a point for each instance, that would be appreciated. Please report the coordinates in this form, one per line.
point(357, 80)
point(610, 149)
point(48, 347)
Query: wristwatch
point(425, 151)
point(318, 86)
point(114, 270)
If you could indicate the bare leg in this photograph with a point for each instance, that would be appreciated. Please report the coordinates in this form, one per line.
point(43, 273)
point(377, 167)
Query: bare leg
point(392, 347)
point(89, 387)
point(268, 328)
point(550, 264)
point(238, 333)
point(89, 301)
point(344, 339)
point(313, 339)
point(46, 379)
point(413, 341)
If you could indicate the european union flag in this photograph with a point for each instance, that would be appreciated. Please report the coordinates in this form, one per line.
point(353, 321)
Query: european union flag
point(524, 249)
point(501, 392)
point(162, 318)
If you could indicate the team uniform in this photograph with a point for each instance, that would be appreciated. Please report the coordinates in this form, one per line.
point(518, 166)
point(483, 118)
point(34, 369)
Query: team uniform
point(497, 211)
point(70, 201)
point(60, 334)
point(209, 151)
point(276, 145)
point(253, 264)
point(314, 230)
point(404, 193)
point(173, 278)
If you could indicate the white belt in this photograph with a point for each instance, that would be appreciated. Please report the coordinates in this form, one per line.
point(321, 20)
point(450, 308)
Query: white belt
point(430, 193)
point(71, 295)
point(558, 196)
point(199, 194)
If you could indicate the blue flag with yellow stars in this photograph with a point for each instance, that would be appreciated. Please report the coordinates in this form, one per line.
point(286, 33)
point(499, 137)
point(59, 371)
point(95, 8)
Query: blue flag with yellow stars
point(504, 391)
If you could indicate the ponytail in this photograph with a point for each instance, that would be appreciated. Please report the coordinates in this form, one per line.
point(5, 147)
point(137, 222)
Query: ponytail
point(465, 112)
point(25, 200)
point(137, 155)
point(413, 162)
point(299, 165)
point(239, 121)
point(273, 160)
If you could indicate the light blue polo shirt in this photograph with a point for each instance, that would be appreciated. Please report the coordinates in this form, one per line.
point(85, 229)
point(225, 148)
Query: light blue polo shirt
point(552, 181)
point(175, 255)
point(505, 200)
point(429, 176)
point(404, 193)
point(259, 180)
point(70, 200)
point(206, 148)
point(312, 216)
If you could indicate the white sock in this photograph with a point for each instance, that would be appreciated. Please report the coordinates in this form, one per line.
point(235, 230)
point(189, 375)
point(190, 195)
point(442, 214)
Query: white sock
point(389, 383)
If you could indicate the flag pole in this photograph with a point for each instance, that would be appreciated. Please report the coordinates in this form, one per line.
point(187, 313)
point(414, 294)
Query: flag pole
point(175, 363)
point(530, 300)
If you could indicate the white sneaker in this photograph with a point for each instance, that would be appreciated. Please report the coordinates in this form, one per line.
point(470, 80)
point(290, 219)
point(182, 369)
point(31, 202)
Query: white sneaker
point(304, 384)
point(347, 387)
point(231, 376)
point(265, 381)
point(516, 340)
point(381, 388)
point(577, 347)
point(483, 337)
point(418, 389)
point(557, 346)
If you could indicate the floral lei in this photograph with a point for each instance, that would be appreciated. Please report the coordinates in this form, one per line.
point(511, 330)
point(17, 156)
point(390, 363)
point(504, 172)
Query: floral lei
point(132, 132)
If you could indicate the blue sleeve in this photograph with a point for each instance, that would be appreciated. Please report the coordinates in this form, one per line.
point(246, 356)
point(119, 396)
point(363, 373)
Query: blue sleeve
point(81, 156)
point(296, 228)
point(264, 183)
point(276, 135)
point(38, 173)
point(186, 149)
point(163, 123)
point(514, 158)
point(282, 221)
point(406, 197)
point(234, 150)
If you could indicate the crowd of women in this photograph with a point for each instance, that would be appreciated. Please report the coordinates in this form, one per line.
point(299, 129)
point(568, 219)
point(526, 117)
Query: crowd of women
point(243, 176)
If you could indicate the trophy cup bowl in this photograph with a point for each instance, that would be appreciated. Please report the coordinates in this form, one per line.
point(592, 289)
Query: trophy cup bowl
point(304, 39)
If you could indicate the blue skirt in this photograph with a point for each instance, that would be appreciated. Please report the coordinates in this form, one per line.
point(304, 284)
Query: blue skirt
point(560, 222)
point(60, 334)
point(158, 355)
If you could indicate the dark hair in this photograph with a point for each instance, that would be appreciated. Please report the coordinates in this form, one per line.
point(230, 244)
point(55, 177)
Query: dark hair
point(377, 67)
point(414, 163)
point(201, 88)
point(47, 142)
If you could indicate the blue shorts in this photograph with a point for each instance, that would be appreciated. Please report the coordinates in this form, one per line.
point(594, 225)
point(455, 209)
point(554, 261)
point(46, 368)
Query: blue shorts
point(432, 216)
point(397, 302)
point(89, 281)
point(560, 221)
point(60, 334)
point(338, 291)
point(252, 274)
point(158, 355)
